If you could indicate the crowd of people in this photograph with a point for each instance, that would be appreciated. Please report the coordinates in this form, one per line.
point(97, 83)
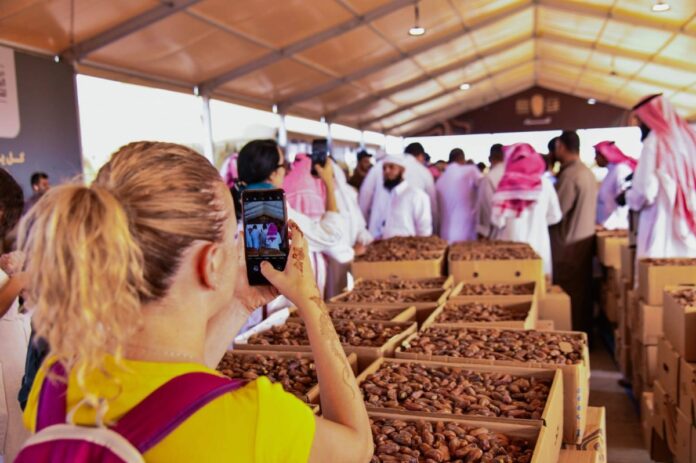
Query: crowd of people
point(128, 293)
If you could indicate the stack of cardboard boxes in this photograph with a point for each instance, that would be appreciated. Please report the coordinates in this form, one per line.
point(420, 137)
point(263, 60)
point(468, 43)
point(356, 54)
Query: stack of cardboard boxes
point(663, 316)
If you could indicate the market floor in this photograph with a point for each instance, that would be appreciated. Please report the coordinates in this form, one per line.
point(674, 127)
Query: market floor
point(624, 434)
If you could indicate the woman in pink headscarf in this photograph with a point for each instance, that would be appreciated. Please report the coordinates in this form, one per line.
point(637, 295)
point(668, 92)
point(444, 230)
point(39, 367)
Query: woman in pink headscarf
point(525, 203)
point(664, 183)
point(610, 214)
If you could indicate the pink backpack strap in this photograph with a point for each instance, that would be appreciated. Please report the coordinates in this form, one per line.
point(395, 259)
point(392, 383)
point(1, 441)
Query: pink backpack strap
point(52, 398)
point(171, 404)
point(155, 417)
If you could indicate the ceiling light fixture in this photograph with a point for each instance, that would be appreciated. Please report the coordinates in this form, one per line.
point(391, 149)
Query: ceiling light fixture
point(416, 30)
point(591, 101)
point(660, 6)
point(274, 108)
point(465, 86)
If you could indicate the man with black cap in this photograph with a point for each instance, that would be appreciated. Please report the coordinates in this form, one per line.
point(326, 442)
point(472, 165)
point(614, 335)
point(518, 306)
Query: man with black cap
point(361, 170)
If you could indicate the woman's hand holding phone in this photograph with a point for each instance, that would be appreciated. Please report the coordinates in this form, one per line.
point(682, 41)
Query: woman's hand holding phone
point(296, 282)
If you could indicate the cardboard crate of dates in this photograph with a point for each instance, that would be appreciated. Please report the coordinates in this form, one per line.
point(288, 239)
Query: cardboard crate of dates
point(474, 392)
point(402, 257)
point(679, 320)
point(609, 244)
point(400, 284)
point(403, 438)
point(294, 370)
point(496, 261)
point(425, 301)
point(555, 305)
point(457, 314)
point(369, 340)
point(656, 274)
point(367, 312)
point(565, 350)
point(502, 292)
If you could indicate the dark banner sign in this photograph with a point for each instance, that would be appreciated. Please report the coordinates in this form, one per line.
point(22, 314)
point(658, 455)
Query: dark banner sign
point(40, 128)
point(534, 109)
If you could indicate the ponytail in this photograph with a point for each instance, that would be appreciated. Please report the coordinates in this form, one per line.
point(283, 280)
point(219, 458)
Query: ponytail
point(85, 275)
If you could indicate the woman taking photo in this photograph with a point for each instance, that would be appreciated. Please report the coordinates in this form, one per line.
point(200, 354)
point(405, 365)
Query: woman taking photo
point(261, 165)
point(137, 281)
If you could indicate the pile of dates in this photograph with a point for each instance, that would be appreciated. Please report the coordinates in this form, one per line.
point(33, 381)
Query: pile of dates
point(478, 312)
point(405, 248)
point(415, 441)
point(497, 289)
point(399, 284)
point(686, 297)
point(297, 374)
point(681, 262)
point(354, 333)
point(491, 250)
point(388, 297)
point(362, 313)
point(512, 345)
point(443, 389)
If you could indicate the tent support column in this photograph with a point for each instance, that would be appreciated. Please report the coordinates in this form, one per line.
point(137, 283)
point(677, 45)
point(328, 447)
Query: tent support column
point(208, 144)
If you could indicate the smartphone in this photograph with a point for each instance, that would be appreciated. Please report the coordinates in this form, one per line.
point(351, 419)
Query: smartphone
point(320, 151)
point(265, 222)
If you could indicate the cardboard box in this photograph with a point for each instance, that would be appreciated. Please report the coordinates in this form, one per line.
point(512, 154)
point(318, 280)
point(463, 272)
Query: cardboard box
point(679, 323)
point(628, 263)
point(423, 309)
point(623, 352)
point(610, 305)
point(644, 360)
point(443, 282)
point(551, 417)
point(609, 248)
point(649, 327)
point(521, 307)
point(513, 299)
point(687, 389)
point(399, 314)
point(652, 279)
point(682, 453)
point(547, 446)
point(407, 269)
point(545, 325)
point(312, 395)
point(632, 308)
point(668, 369)
point(556, 306)
point(646, 416)
point(578, 456)
point(638, 384)
point(665, 422)
point(366, 354)
point(576, 382)
point(499, 271)
point(595, 438)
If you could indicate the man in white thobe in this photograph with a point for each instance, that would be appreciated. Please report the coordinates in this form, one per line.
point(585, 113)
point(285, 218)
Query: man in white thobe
point(611, 215)
point(487, 186)
point(457, 190)
point(533, 202)
point(662, 189)
point(417, 175)
point(399, 209)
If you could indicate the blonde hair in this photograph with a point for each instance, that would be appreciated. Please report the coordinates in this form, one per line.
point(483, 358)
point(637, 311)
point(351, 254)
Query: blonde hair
point(96, 254)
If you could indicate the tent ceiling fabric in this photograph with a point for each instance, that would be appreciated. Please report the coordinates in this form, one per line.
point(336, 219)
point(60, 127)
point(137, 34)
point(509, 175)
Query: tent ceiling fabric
point(353, 62)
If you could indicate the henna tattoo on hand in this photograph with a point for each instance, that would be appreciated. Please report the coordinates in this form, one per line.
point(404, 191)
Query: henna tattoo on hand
point(326, 329)
point(298, 259)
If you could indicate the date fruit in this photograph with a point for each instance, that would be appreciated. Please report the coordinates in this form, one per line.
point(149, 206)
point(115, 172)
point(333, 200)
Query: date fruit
point(360, 333)
point(404, 248)
point(399, 284)
point(445, 389)
point(492, 344)
point(297, 374)
point(388, 297)
point(497, 289)
point(491, 250)
point(415, 441)
point(478, 312)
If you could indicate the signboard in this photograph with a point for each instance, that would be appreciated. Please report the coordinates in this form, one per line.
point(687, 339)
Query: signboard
point(9, 106)
point(38, 118)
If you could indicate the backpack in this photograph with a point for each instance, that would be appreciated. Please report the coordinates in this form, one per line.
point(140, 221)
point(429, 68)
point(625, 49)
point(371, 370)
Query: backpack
point(136, 432)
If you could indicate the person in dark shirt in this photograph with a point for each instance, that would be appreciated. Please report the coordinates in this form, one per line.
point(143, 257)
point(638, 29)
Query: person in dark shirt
point(361, 170)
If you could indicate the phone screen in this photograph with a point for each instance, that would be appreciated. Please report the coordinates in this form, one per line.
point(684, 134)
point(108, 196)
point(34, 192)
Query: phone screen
point(265, 232)
point(320, 151)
